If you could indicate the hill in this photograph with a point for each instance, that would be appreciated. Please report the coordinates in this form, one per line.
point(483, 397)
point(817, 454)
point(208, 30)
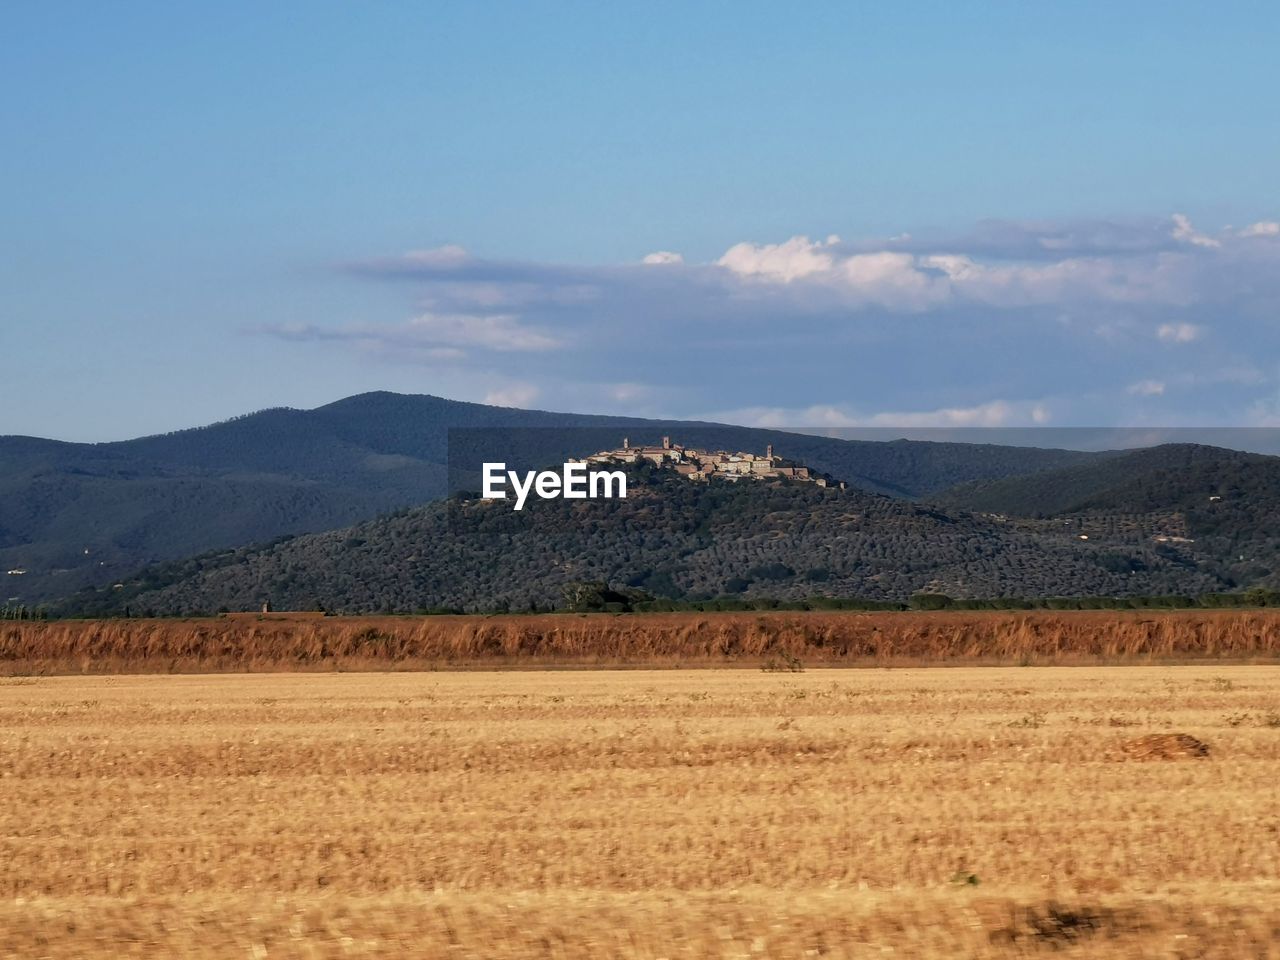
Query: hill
point(1219, 503)
point(669, 537)
point(1171, 476)
point(74, 514)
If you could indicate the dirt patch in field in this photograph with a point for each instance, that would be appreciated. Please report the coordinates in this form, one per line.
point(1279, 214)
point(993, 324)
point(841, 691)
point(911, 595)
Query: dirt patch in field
point(1052, 924)
point(1163, 746)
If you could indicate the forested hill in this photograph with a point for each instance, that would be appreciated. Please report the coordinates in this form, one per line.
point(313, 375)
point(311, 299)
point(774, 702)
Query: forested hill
point(670, 537)
point(1220, 503)
point(1168, 477)
point(73, 514)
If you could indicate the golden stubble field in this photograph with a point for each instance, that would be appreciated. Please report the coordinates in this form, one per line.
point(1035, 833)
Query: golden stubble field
point(918, 813)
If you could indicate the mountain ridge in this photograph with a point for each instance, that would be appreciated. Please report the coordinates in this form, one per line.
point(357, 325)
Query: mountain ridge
point(73, 514)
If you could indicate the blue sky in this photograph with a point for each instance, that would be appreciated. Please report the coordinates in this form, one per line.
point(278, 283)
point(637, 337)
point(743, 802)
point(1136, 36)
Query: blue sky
point(917, 214)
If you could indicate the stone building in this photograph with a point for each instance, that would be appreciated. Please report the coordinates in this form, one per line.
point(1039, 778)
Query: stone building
point(705, 465)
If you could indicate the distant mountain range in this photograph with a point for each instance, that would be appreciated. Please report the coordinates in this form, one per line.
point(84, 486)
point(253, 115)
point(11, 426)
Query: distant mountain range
point(74, 515)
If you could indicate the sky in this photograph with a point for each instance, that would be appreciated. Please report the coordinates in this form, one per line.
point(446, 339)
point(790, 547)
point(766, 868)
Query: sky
point(832, 215)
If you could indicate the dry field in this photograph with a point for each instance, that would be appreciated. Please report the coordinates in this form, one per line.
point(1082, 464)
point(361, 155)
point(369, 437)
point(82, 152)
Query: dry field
point(914, 813)
point(301, 642)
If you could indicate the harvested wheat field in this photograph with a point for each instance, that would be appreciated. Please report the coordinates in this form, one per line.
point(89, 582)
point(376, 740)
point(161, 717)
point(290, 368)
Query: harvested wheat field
point(919, 813)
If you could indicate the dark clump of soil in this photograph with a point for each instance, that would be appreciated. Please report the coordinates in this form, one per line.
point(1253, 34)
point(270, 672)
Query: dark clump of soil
point(1163, 746)
point(1052, 924)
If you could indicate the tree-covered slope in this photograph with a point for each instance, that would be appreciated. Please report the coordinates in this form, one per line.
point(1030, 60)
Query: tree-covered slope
point(670, 537)
point(1221, 503)
point(1167, 477)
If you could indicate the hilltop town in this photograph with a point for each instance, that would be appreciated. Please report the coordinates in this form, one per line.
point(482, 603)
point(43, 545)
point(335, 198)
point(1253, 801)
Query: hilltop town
point(703, 465)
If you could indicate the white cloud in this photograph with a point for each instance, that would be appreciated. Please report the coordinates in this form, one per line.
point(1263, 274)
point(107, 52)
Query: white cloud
point(1065, 311)
point(995, 413)
point(629, 392)
point(1264, 413)
point(448, 255)
point(818, 415)
point(662, 257)
point(783, 262)
point(441, 353)
point(501, 332)
point(1263, 228)
point(430, 336)
point(512, 395)
point(1147, 388)
point(1178, 332)
point(913, 282)
point(1184, 231)
point(893, 280)
point(492, 296)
